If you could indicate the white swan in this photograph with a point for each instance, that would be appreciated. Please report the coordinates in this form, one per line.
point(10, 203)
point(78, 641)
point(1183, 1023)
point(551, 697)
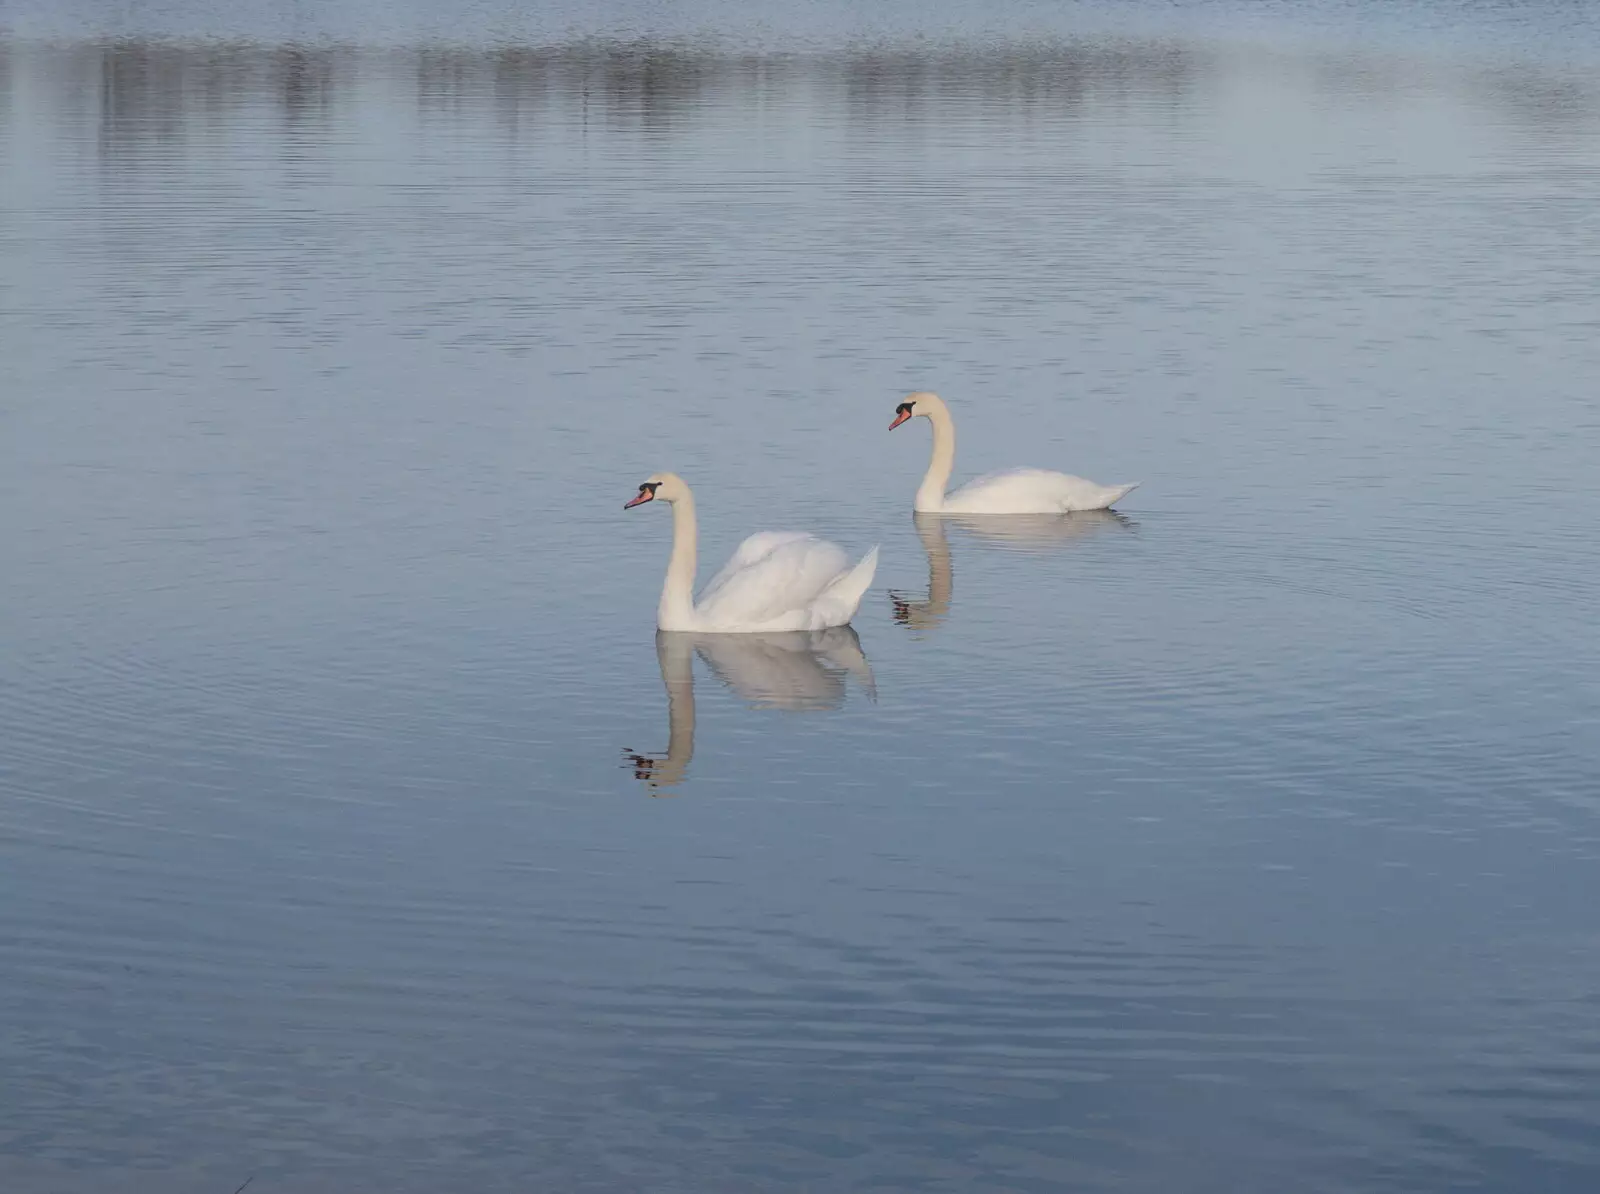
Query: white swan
point(776, 580)
point(1015, 491)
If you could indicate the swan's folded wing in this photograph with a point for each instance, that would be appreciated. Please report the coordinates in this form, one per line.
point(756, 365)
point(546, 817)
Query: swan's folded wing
point(771, 573)
point(1031, 491)
point(1029, 481)
point(752, 551)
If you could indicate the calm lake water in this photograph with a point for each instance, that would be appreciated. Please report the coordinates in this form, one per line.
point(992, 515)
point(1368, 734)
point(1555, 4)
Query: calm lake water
point(358, 834)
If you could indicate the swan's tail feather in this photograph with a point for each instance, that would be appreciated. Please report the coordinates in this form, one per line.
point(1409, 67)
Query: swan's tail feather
point(837, 604)
point(1117, 492)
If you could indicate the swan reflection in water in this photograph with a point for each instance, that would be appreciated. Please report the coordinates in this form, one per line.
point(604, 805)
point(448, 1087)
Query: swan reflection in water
point(794, 671)
point(1032, 534)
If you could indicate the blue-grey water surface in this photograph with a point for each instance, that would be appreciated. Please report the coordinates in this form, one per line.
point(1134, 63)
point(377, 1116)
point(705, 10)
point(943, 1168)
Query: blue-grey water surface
point(357, 833)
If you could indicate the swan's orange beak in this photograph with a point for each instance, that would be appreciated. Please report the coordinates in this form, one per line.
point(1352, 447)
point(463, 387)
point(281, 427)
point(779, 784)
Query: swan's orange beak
point(646, 494)
point(900, 417)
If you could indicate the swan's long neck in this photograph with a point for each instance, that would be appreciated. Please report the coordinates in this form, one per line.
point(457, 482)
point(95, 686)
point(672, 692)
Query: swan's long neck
point(930, 494)
point(676, 610)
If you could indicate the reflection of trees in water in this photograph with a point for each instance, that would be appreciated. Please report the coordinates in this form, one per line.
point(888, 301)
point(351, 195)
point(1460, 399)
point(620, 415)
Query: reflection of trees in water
point(1535, 100)
point(154, 92)
point(147, 94)
point(305, 80)
point(659, 86)
point(1538, 101)
point(653, 87)
point(516, 81)
point(1060, 77)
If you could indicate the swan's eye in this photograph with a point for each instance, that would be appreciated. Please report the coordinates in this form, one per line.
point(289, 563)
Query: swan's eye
point(904, 408)
point(650, 487)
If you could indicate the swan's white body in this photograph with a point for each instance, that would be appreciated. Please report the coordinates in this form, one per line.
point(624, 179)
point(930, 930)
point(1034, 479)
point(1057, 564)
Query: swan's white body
point(776, 580)
point(1029, 491)
point(1014, 491)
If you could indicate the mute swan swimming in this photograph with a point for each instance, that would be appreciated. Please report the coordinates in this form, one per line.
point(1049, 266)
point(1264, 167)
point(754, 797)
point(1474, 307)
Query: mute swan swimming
point(1015, 491)
point(776, 580)
point(792, 671)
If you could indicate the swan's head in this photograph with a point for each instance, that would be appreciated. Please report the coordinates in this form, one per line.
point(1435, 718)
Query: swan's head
point(920, 403)
point(663, 487)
